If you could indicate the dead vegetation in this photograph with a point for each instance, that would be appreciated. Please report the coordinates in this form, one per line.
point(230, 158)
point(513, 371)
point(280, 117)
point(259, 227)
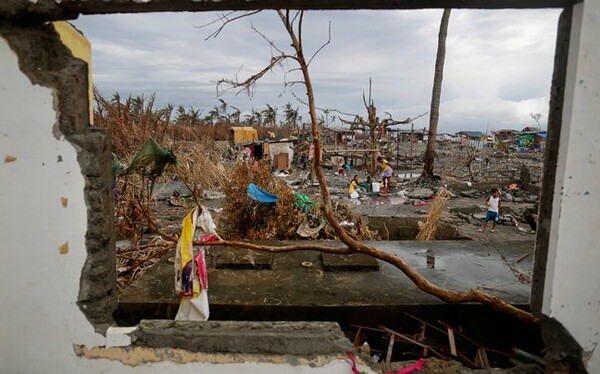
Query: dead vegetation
point(429, 229)
point(246, 219)
point(292, 22)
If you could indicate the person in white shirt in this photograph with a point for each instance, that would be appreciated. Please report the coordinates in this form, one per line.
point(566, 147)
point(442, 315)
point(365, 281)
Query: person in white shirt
point(493, 205)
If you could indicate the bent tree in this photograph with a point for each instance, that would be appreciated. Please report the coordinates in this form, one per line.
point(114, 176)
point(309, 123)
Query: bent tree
point(293, 22)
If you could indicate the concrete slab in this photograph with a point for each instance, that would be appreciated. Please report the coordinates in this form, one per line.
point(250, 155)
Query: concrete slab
point(285, 338)
point(353, 262)
point(457, 265)
point(237, 258)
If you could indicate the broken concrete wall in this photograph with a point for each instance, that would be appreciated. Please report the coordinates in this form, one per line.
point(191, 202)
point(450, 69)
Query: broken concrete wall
point(58, 261)
point(53, 179)
point(47, 62)
point(572, 285)
point(44, 219)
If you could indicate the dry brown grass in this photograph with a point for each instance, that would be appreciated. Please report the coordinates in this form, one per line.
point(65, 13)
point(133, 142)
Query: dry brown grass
point(244, 218)
point(429, 229)
point(199, 169)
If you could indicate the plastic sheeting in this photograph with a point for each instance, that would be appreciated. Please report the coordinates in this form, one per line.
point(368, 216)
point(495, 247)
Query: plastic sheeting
point(258, 194)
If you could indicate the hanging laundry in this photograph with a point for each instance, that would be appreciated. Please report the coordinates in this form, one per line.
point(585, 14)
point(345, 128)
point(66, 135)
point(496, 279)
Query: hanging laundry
point(191, 279)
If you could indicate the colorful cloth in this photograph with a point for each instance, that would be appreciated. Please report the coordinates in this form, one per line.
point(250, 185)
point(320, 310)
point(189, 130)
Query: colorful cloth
point(191, 279)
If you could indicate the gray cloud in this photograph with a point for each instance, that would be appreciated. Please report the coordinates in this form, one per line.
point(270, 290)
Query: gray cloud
point(498, 63)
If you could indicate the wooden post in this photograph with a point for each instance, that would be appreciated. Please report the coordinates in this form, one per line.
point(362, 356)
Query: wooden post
point(357, 337)
point(412, 129)
point(390, 348)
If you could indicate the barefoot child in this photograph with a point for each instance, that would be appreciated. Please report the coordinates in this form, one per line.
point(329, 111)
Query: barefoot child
point(493, 205)
point(353, 189)
point(386, 173)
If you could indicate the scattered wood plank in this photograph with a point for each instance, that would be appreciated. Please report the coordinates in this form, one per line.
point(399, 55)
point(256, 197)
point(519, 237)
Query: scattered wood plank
point(413, 341)
point(357, 336)
point(452, 342)
point(521, 258)
point(390, 349)
point(481, 358)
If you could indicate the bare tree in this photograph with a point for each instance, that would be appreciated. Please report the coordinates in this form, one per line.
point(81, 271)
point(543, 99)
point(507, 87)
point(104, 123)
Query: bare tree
point(292, 22)
point(435, 98)
point(536, 117)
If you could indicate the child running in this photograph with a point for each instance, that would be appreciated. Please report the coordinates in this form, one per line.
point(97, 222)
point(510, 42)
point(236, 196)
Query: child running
point(493, 205)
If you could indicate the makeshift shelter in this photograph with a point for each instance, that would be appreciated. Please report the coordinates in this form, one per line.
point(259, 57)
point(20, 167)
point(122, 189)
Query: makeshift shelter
point(243, 135)
point(408, 136)
point(281, 154)
point(337, 136)
point(474, 139)
point(505, 135)
point(256, 150)
point(531, 140)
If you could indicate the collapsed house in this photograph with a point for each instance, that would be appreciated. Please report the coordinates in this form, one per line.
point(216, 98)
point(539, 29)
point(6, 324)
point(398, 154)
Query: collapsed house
point(62, 177)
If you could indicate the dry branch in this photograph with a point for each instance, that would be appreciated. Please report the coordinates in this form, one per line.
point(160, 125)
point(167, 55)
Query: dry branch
point(473, 295)
point(353, 245)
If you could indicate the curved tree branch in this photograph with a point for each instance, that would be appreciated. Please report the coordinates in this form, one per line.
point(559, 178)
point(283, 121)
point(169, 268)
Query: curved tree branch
point(420, 281)
point(224, 18)
point(353, 245)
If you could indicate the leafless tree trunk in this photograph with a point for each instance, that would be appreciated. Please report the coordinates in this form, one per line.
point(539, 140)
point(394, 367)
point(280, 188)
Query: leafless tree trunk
point(353, 245)
point(435, 97)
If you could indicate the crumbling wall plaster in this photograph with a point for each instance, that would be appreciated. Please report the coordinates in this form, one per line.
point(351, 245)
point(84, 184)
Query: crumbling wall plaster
point(57, 264)
point(572, 286)
point(42, 225)
point(47, 62)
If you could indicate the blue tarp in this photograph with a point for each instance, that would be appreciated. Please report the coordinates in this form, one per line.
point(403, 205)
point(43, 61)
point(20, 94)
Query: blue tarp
point(258, 194)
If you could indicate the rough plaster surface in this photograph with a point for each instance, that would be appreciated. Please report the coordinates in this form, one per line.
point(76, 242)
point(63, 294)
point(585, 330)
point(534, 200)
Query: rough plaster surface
point(54, 257)
point(160, 360)
point(47, 62)
point(557, 96)
point(572, 284)
point(285, 338)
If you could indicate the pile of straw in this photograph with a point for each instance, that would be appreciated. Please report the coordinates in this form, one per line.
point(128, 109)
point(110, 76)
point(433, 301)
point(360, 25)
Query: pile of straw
point(429, 229)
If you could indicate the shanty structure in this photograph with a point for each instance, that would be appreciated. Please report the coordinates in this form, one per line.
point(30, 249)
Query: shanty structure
point(281, 153)
point(239, 135)
point(531, 140)
point(474, 139)
point(410, 136)
point(505, 135)
point(337, 136)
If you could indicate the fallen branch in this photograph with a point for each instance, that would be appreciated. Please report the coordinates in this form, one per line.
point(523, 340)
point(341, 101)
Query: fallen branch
point(473, 295)
point(353, 245)
point(279, 249)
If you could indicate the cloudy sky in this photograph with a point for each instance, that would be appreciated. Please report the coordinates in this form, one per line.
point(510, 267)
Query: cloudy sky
point(498, 62)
